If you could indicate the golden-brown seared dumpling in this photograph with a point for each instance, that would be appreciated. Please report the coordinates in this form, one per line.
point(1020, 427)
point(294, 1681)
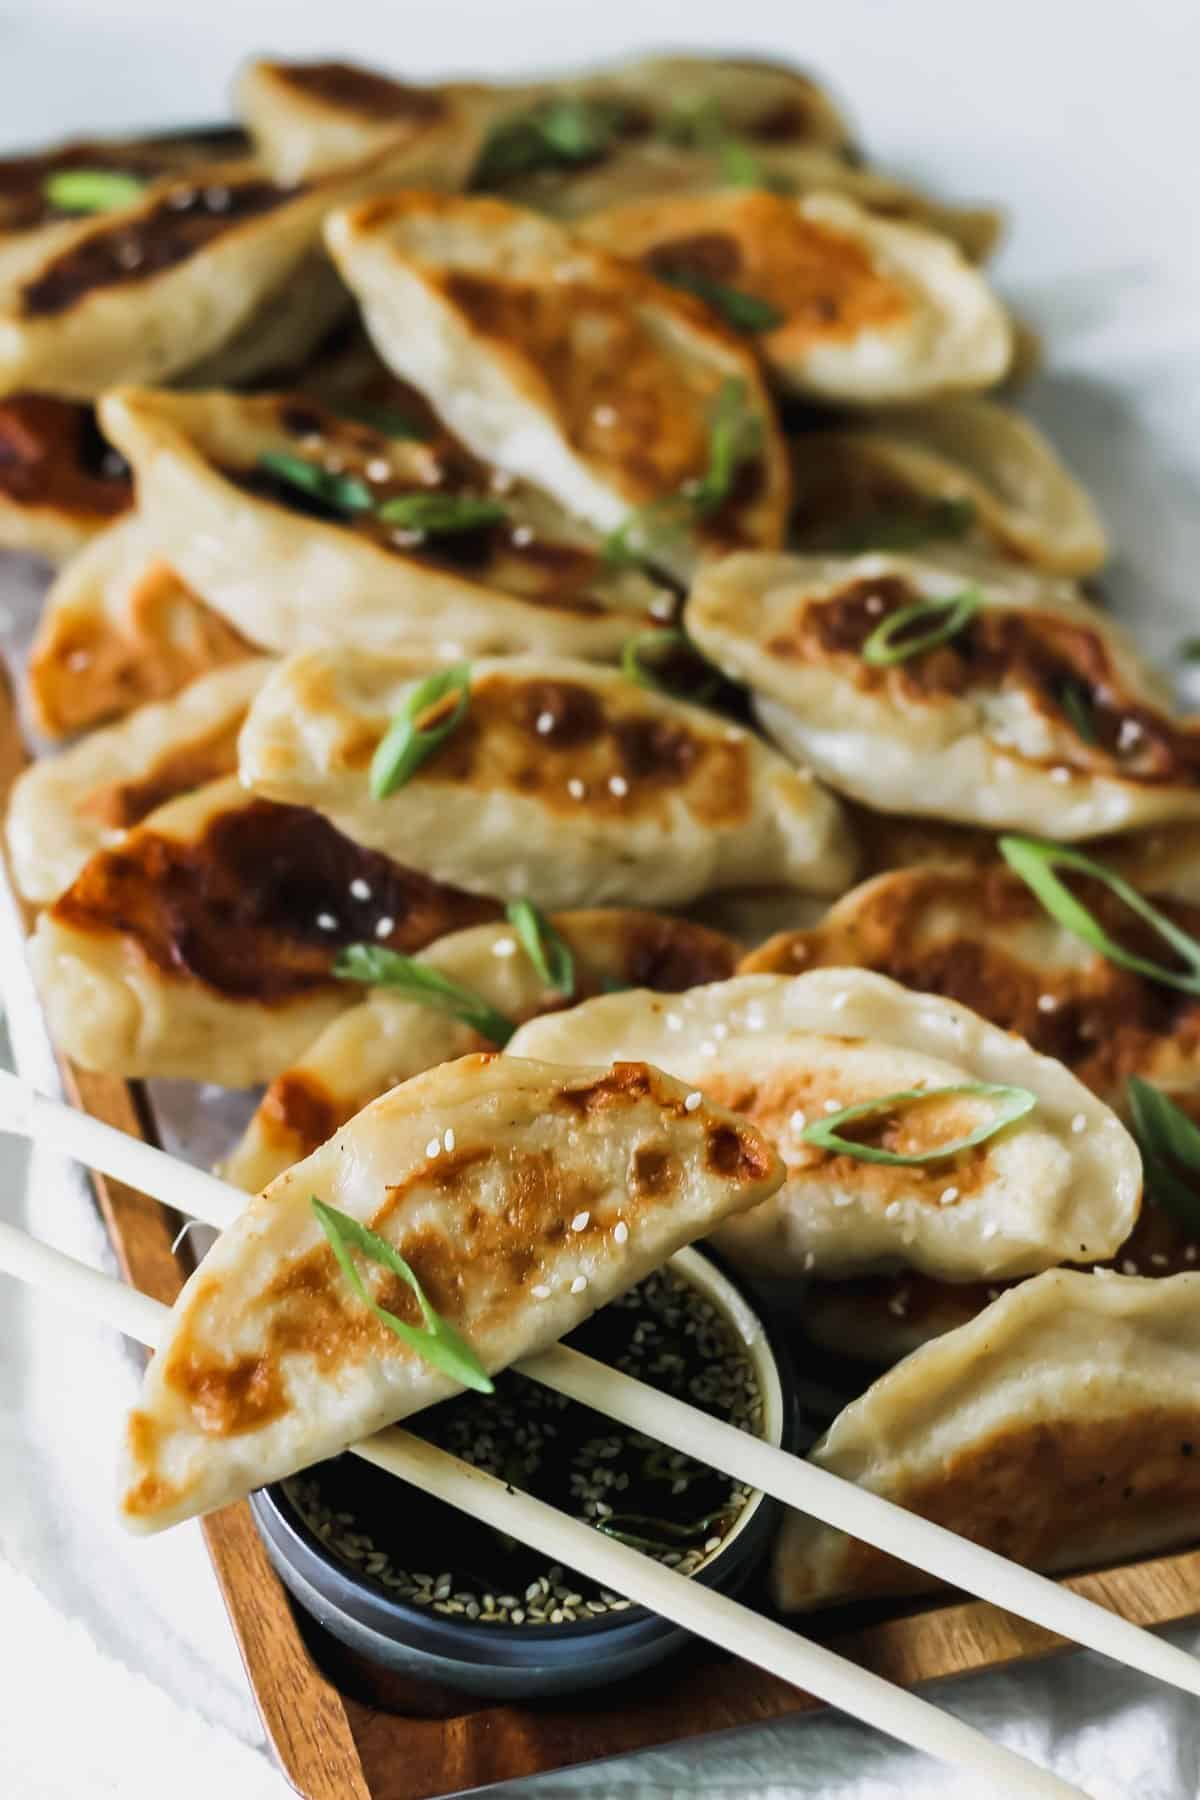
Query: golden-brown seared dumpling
point(1063, 1180)
point(846, 307)
point(1059, 1428)
point(571, 368)
point(1002, 700)
point(202, 945)
point(119, 628)
point(392, 1036)
point(522, 1197)
point(959, 472)
point(60, 483)
point(273, 508)
point(563, 782)
point(64, 808)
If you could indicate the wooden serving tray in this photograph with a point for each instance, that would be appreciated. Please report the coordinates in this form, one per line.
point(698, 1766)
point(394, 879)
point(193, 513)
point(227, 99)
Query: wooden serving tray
point(342, 1730)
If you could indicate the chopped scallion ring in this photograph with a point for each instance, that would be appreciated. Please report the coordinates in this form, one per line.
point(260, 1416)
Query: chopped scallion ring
point(744, 312)
point(91, 190)
point(432, 713)
point(1075, 701)
point(547, 951)
point(345, 493)
point(1035, 862)
point(377, 966)
point(1012, 1104)
point(436, 1342)
point(1168, 1141)
point(441, 515)
point(881, 650)
point(640, 654)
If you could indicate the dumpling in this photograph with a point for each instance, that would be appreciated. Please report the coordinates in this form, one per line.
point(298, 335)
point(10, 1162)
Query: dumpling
point(573, 369)
point(980, 936)
point(1005, 701)
point(202, 946)
point(1063, 1181)
point(522, 1196)
point(120, 628)
point(563, 783)
point(60, 483)
point(313, 118)
point(390, 1037)
point(847, 307)
point(269, 506)
point(65, 808)
point(959, 472)
point(1058, 1428)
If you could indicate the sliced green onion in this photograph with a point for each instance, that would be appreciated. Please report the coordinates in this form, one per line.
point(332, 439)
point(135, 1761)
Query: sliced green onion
point(639, 655)
point(906, 529)
point(1012, 1104)
point(547, 951)
point(1074, 699)
point(346, 493)
point(1167, 1139)
point(388, 421)
point(648, 533)
point(745, 312)
point(377, 966)
point(432, 713)
point(441, 515)
point(557, 133)
point(1189, 649)
point(91, 190)
point(881, 651)
point(436, 1342)
point(617, 1526)
point(1035, 862)
point(703, 126)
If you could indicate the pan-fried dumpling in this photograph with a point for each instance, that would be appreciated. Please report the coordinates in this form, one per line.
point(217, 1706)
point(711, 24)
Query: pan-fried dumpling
point(315, 117)
point(980, 936)
point(1058, 1428)
point(571, 368)
point(1014, 705)
point(65, 808)
point(850, 308)
point(202, 945)
point(960, 472)
point(390, 1037)
point(1064, 1181)
point(522, 1196)
point(563, 783)
point(304, 557)
point(60, 483)
point(119, 628)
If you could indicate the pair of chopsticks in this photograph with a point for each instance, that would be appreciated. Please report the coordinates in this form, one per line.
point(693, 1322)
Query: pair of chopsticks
point(799, 1484)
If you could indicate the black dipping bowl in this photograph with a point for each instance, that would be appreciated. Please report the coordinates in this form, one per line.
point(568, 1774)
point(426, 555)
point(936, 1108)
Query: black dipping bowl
point(504, 1661)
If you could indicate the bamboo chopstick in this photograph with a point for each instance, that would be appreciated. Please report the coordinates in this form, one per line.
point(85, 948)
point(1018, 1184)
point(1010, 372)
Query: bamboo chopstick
point(699, 1609)
point(798, 1483)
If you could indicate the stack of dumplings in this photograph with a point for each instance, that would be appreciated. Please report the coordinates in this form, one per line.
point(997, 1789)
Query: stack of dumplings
point(555, 575)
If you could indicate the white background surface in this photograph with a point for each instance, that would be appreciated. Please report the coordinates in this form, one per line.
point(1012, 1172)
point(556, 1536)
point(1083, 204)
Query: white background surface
point(120, 1678)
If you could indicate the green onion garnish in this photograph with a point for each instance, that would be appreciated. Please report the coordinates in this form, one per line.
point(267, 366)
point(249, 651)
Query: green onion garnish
point(906, 528)
point(881, 651)
point(388, 421)
point(436, 1342)
point(346, 493)
point(702, 125)
point(377, 966)
point(1075, 701)
point(745, 312)
point(91, 190)
point(1035, 862)
point(1012, 1104)
point(441, 515)
point(547, 951)
point(1167, 1138)
point(640, 654)
point(433, 712)
point(558, 133)
point(617, 1526)
point(1189, 649)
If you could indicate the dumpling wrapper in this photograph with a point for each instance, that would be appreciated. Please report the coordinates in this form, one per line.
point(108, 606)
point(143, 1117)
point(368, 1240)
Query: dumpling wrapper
point(118, 629)
point(60, 484)
point(202, 945)
point(65, 808)
point(1064, 1181)
point(563, 364)
point(1058, 1428)
point(978, 730)
point(502, 1184)
point(287, 574)
point(564, 783)
point(389, 1038)
point(871, 311)
point(957, 472)
point(978, 935)
point(312, 118)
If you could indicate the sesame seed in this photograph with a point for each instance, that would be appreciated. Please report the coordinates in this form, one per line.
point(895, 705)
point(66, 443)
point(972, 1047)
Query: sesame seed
point(448, 1138)
point(1189, 1254)
point(673, 1022)
point(874, 603)
point(1129, 1267)
point(1079, 1123)
point(502, 482)
point(326, 922)
point(898, 1304)
point(579, 1283)
point(1059, 773)
point(832, 1106)
point(892, 1210)
point(79, 659)
point(385, 927)
point(1158, 1259)
point(541, 1291)
point(948, 1196)
point(797, 1121)
point(217, 199)
point(580, 1221)
point(504, 946)
point(522, 535)
point(575, 788)
point(1047, 1003)
point(544, 723)
point(990, 1229)
point(1129, 734)
point(360, 889)
point(694, 1099)
point(663, 605)
point(839, 1002)
point(378, 469)
point(810, 1260)
point(620, 1231)
point(604, 415)
point(618, 785)
point(434, 1147)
